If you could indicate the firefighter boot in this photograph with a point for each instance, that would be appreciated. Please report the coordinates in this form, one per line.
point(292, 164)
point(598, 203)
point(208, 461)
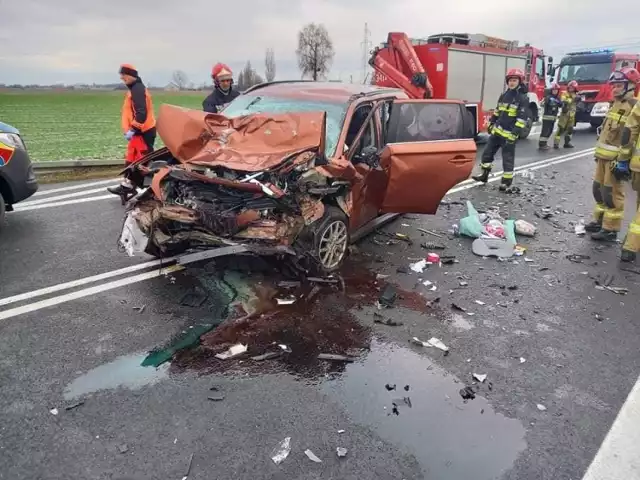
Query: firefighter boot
point(627, 256)
point(568, 144)
point(556, 146)
point(483, 176)
point(593, 227)
point(505, 185)
point(605, 236)
point(543, 146)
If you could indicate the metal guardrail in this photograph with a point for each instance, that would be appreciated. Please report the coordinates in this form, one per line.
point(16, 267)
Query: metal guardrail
point(61, 164)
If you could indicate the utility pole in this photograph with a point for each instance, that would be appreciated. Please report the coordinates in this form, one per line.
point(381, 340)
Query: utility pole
point(366, 49)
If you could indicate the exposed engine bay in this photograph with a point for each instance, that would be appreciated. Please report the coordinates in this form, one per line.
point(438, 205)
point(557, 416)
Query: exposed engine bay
point(187, 205)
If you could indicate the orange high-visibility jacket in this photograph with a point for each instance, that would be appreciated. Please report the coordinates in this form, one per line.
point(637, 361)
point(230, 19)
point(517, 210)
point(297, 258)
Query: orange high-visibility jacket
point(137, 110)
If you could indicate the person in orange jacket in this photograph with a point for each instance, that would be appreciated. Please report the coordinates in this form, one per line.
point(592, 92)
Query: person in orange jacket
point(138, 123)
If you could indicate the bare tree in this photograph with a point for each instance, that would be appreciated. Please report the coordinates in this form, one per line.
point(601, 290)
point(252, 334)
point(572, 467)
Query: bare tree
point(180, 79)
point(270, 65)
point(241, 86)
point(315, 51)
point(249, 77)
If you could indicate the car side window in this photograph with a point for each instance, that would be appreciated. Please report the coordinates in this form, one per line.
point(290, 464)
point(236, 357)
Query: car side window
point(368, 139)
point(384, 113)
point(426, 122)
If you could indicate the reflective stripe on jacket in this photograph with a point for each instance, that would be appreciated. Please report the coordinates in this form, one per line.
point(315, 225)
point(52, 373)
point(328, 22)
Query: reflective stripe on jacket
point(612, 136)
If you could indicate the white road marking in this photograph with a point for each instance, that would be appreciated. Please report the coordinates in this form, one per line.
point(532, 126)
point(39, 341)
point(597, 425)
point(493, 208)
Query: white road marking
point(619, 455)
point(75, 187)
point(147, 275)
point(84, 281)
point(17, 207)
point(62, 197)
point(49, 302)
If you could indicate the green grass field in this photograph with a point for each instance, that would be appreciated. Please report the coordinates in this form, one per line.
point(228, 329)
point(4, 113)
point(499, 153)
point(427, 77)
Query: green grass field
point(76, 125)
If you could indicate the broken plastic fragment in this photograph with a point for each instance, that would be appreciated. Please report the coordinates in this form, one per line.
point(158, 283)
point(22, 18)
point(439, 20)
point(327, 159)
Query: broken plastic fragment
point(480, 302)
point(335, 358)
point(342, 452)
point(285, 348)
point(418, 267)
point(286, 301)
point(233, 351)
point(388, 296)
point(467, 393)
point(433, 342)
point(281, 451)
point(433, 258)
point(341, 431)
point(480, 377)
point(312, 456)
point(541, 407)
point(522, 359)
point(53, 411)
point(580, 228)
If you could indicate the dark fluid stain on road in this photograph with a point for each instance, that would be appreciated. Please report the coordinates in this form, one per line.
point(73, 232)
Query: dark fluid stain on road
point(126, 372)
point(450, 438)
point(320, 321)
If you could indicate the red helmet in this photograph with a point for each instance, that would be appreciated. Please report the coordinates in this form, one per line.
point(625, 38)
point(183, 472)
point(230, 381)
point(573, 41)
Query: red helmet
point(515, 72)
point(627, 76)
point(572, 84)
point(220, 71)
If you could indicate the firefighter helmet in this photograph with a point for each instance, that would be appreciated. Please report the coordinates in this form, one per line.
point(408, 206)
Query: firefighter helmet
point(221, 72)
point(628, 77)
point(515, 73)
point(573, 84)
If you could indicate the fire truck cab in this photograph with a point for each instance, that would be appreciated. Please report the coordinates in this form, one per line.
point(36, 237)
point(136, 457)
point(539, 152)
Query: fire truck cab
point(467, 67)
point(591, 69)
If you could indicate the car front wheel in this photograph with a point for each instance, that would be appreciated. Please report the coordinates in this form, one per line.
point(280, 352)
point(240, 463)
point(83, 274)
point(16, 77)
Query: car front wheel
point(331, 239)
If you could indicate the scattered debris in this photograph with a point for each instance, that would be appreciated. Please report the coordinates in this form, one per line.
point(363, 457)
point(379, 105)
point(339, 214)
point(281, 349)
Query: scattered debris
point(341, 431)
point(285, 348)
point(312, 456)
point(407, 401)
point(605, 285)
point(541, 407)
point(432, 342)
point(390, 387)
point(75, 405)
point(281, 452)
point(289, 300)
point(467, 393)
point(406, 388)
point(216, 398)
point(480, 377)
point(381, 277)
point(525, 228)
point(140, 309)
point(388, 296)
point(266, 356)
point(186, 475)
point(458, 308)
point(233, 351)
point(194, 298)
point(289, 284)
point(377, 318)
point(429, 232)
point(395, 409)
point(335, 358)
point(577, 258)
point(448, 260)
point(418, 267)
point(53, 411)
point(522, 359)
point(433, 257)
point(480, 302)
point(462, 283)
point(342, 452)
point(433, 246)
point(123, 448)
point(580, 228)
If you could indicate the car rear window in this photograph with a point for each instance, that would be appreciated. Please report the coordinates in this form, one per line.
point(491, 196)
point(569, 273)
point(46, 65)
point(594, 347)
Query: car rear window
point(248, 104)
point(426, 122)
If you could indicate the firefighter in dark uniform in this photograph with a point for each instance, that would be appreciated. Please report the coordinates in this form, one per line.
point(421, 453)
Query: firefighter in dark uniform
point(223, 93)
point(551, 105)
point(613, 153)
point(138, 123)
point(567, 115)
point(508, 119)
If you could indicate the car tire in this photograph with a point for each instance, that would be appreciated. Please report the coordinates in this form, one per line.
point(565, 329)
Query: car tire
point(3, 210)
point(330, 239)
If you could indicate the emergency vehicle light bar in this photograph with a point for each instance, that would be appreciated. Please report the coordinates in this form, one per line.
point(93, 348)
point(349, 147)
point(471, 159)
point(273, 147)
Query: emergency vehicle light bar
point(586, 52)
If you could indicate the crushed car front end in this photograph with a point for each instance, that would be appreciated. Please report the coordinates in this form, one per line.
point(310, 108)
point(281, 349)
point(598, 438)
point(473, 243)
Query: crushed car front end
point(261, 181)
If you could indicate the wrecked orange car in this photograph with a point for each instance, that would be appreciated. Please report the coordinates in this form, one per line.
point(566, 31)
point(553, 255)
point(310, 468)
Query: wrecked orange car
point(298, 169)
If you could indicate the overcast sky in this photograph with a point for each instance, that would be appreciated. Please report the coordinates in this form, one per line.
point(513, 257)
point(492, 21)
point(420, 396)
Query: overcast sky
point(48, 41)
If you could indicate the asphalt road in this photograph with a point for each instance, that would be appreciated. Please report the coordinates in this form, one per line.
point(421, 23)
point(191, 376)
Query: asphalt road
point(537, 327)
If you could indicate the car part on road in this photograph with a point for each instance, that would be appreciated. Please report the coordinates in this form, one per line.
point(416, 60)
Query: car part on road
point(281, 452)
point(312, 456)
point(342, 452)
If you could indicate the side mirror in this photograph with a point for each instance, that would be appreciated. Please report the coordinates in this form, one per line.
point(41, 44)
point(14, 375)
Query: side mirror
point(550, 60)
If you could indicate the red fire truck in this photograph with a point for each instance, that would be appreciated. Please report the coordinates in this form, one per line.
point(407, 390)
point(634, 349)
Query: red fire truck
point(591, 69)
point(469, 67)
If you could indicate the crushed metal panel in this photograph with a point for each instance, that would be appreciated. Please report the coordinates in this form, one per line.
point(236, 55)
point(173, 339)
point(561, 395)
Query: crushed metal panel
point(249, 143)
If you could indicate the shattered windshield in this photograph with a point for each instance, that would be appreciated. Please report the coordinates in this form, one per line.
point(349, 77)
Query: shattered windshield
point(586, 73)
point(247, 104)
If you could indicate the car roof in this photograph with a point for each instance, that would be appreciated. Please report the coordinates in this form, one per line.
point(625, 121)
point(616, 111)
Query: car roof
point(6, 128)
point(338, 92)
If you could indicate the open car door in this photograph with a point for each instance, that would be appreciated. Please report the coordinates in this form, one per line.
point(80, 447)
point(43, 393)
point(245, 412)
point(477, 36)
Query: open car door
point(429, 148)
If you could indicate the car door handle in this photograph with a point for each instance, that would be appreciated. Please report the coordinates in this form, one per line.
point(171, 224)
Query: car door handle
point(459, 159)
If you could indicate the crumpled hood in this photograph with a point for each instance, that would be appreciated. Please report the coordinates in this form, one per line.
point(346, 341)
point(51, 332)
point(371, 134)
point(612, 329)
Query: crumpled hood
point(249, 143)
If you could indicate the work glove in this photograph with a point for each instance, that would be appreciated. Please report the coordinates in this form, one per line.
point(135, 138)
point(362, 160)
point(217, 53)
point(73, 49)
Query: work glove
point(620, 170)
point(129, 135)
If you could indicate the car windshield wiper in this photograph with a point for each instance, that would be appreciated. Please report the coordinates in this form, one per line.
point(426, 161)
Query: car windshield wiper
point(253, 102)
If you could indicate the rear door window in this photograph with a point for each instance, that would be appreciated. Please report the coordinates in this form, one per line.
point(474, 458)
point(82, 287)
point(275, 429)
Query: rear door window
point(426, 122)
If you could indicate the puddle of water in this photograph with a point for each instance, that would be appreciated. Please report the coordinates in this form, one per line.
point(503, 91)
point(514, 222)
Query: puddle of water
point(125, 372)
point(450, 438)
